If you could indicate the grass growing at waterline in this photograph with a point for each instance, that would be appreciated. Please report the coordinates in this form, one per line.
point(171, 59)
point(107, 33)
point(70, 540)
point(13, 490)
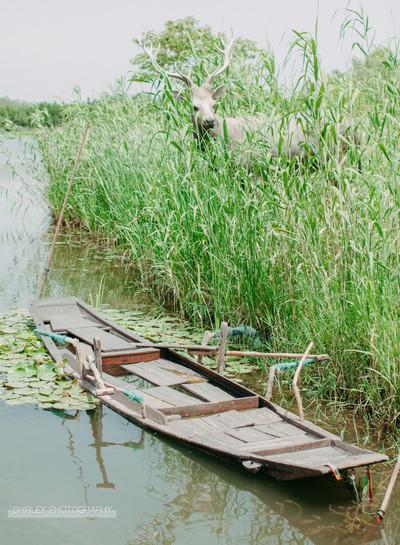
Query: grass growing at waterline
point(302, 250)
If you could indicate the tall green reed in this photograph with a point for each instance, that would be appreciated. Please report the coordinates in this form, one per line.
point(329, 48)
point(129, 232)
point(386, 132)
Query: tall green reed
point(299, 249)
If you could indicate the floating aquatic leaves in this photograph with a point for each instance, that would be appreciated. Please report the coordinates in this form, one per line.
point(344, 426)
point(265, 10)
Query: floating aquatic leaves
point(27, 373)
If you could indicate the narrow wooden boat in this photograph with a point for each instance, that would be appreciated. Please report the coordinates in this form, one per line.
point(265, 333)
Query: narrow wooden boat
point(173, 394)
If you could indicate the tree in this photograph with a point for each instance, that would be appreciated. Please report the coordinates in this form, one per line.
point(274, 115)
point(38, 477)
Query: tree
point(187, 44)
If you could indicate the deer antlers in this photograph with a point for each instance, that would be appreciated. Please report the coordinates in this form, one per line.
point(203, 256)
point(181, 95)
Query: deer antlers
point(227, 51)
point(153, 58)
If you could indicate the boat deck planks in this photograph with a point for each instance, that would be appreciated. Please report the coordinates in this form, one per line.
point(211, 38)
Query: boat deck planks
point(207, 391)
point(230, 419)
point(149, 400)
point(171, 396)
point(160, 377)
point(108, 341)
point(191, 403)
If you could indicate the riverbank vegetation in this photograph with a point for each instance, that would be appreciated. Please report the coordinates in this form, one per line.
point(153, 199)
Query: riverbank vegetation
point(300, 249)
point(15, 114)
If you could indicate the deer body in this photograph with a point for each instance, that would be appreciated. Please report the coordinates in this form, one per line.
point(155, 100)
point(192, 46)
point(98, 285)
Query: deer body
point(239, 130)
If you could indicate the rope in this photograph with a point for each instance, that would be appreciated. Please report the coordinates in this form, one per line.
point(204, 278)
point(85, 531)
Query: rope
point(62, 339)
point(134, 396)
point(242, 331)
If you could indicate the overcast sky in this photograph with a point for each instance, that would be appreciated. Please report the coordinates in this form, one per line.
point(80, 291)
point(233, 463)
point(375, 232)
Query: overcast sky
point(49, 46)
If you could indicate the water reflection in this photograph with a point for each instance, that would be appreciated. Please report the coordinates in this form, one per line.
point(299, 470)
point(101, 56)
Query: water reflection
point(24, 219)
point(192, 493)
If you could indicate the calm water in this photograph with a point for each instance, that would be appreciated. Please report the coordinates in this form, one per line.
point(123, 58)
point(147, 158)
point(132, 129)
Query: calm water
point(161, 493)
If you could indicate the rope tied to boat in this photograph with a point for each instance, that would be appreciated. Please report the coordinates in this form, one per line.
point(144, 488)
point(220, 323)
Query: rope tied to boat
point(62, 339)
point(335, 472)
point(134, 396)
point(241, 331)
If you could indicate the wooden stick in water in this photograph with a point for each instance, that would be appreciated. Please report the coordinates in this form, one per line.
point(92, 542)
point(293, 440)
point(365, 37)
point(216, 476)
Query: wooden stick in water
point(382, 510)
point(295, 379)
point(61, 216)
point(222, 348)
point(208, 335)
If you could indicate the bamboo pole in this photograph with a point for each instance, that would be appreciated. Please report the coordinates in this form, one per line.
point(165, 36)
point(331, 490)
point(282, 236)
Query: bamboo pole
point(204, 350)
point(61, 216)
point(382, 510)
point(222, 348)
point(296, 378)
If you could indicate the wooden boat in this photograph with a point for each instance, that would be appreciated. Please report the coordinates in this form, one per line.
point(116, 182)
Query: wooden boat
point(172, 394)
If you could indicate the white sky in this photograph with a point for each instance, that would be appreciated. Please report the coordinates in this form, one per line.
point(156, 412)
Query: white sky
point(48, 46)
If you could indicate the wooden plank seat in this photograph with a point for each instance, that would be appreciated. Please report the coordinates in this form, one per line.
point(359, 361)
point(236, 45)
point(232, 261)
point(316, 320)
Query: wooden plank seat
point(217, 408)
point(159, 374)
point(108, 341)
point(67, 316)
point(193, 377)
point(63, 323)
point(207, 392)
point(154, 374)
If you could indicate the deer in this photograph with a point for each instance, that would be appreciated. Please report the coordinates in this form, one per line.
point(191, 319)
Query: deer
point(237, 129)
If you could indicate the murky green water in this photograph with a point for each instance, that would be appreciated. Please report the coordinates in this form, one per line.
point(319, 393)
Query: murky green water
point(159, 492)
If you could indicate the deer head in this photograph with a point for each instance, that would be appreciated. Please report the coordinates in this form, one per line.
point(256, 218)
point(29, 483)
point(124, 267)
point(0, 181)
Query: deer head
point(204, 97)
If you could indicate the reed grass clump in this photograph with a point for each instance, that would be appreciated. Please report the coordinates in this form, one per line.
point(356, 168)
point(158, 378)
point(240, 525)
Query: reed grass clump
point(300, 249)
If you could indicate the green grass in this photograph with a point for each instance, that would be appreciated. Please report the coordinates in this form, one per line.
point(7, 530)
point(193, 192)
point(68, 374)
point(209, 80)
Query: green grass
point(16, 114)
point(300, 250)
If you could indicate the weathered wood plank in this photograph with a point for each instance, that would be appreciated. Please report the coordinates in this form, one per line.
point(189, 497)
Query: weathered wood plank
point(318, 456)
point(300, 447)
point(203, 409)
point(165, 393)
point(148, 400)
point(108, 341)
point(267, 444)
point(63, 323)
point(248, 434)
point(267, 431)
point(177, 369)
point(155, 375)
point(207, 392)
point(214, 443)
point(283, 429)
point(262, 415)
point(120, 358)
point(229, 420)
point(190, 426)
point(225, 439)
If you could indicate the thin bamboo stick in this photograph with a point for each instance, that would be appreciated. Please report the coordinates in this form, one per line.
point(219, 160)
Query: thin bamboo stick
point(61, 216)
point(204, 350)
point(296, 378)
point(383, 508)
